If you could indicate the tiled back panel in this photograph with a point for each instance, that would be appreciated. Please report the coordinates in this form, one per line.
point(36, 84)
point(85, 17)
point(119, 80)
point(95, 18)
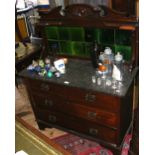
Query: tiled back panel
point(77, 41)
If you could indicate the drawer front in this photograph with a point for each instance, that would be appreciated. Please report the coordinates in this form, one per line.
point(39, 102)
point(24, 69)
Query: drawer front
point(40, 86)
point(56, 103)
point(76, 95)
point(88, 98)
point(78, 125)
point(43, 101)
point(91, 114)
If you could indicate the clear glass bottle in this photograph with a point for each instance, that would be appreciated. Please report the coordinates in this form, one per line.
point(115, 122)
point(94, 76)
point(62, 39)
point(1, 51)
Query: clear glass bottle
point(108, 58)
point(118, 60)
point(118, 67)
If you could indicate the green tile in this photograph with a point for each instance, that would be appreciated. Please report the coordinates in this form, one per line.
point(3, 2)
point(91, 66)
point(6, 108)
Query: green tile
point(73, 48)
point(92, 34)
point(88, 48)
point(89, 34)
point(98, 35)
point(53, 47)
point(52, 32)
point(123, 37)
point(126, 51)
point(76, 33)
point(107, 36)
point(77, 41)
point(65, 47)
point(78, 49)
point(64, 33)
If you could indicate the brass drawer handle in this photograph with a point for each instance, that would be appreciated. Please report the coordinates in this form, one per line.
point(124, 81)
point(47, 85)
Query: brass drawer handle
point(93, 131)
point(91, 114)
point(45, 87)
point(48, 102)
point(52, 118)
point(90, 97)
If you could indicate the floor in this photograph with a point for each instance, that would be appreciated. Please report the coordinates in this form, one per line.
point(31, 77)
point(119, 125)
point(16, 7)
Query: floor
point(24, 111)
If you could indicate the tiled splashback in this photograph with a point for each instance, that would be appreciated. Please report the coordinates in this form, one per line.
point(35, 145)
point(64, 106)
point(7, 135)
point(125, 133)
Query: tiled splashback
point(78, 41)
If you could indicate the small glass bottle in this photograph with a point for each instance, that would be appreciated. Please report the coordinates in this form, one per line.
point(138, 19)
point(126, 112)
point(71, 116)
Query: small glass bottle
point(118, 67)
point(119, 60)
point(108, 59)
point(108, 55)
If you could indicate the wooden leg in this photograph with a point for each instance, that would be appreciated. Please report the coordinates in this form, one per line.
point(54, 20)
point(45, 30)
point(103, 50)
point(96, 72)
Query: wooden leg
point(41, 126)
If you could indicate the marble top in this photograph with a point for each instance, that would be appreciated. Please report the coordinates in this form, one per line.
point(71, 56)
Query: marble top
point(79, 74)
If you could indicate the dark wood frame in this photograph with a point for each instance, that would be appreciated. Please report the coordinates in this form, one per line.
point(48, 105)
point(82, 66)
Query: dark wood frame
point(85, 15)
point(128, 6)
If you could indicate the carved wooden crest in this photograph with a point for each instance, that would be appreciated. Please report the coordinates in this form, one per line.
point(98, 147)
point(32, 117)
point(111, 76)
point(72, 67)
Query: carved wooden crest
point(81, 11)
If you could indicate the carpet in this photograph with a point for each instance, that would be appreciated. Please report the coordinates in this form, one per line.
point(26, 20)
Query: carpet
point(79, 146)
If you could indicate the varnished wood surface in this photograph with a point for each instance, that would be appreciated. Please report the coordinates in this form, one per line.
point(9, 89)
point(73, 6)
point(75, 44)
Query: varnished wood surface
point(84, 15)
point(94, 114)
point(57, 107)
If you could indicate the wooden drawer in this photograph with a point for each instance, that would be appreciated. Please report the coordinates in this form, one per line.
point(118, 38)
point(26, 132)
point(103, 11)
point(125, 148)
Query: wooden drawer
point(91, 114)
point(40, 86)
point(79, 125)
point(53, 102)
point(80, 96)
point(90, 98)
point(44, 101)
